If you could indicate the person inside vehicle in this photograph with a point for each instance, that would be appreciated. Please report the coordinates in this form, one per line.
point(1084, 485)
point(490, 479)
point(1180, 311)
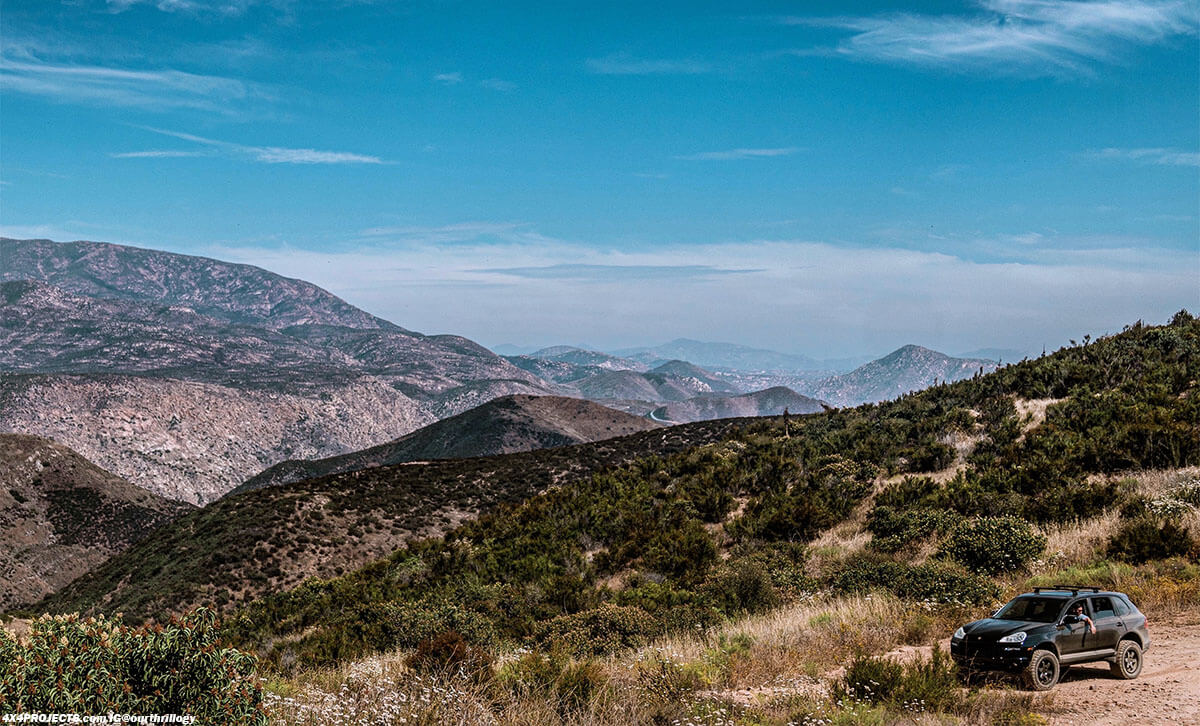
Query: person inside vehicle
point(1077, 611)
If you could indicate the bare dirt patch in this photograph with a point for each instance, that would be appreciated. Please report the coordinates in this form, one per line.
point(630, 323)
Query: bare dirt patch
point(1167, 691)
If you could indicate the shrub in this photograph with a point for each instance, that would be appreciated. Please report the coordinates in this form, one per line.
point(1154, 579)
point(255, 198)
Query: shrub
point(1147, 537)
point(411, 623)
point(991, 545)
point(911, 491)
point(943, 583)
point(863, 572)
point(450, 653)
point(97, 666)
point(870, 680)
point(740, 587)
point(893, 530)
point(555, 678)
point(919, 686)
point(1188, 492)
point(606, 629)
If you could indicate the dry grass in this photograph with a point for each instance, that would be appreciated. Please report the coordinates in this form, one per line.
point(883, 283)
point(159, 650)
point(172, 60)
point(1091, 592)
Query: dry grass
point(1033, 410)
point(811, 638)
point(1077, 543)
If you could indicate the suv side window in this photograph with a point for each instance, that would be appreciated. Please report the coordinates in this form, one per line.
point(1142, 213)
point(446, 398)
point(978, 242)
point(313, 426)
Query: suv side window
point(1083, 602)
point(1102, 607)
point(1122, 608)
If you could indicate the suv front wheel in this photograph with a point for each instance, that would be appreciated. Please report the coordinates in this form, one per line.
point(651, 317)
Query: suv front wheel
point(1128, 663)
point(1042, 672)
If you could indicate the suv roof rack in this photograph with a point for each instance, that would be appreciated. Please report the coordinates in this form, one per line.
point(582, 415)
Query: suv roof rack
point(1073, 589)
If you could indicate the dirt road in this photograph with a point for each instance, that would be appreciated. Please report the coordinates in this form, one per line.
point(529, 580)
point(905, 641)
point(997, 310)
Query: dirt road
point(1167, 691)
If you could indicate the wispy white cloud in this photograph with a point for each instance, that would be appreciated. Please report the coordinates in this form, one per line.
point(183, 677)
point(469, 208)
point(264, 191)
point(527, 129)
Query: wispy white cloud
point(449, 79)
point(1159, 156)
point(624, 65)
point(158, 154)
point(199, 7)
point(268, 154)
point(733, 154)
point(1014, 36)
point(150, 89)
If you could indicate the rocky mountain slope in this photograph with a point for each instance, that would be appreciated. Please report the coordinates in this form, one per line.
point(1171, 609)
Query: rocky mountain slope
point(193, 441)
point(187, 375)
point(769, 402)
point(239, 294)
point(61, 515)
point(269, 539)
point(504, 425)
point(910, 368)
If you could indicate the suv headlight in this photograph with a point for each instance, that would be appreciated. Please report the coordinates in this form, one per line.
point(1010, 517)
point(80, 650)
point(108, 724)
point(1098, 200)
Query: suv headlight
point(959, 634)
point(1014, 638)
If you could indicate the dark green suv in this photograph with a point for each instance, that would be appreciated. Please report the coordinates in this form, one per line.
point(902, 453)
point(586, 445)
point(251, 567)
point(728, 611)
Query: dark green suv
point(1037, 635)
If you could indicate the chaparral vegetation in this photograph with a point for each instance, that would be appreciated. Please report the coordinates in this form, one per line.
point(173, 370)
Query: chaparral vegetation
point(789, 573)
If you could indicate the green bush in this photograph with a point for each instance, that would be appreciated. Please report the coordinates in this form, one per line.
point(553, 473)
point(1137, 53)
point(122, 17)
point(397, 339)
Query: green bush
point(98, 666)
point(894, 530)
point(740, 587)
point(944, 583)
point(606, 629)
point(932, 582)
point(412, 622)
point(866, 571)
point(1147, 537)
point(919, 686)
point(991, 545)
point(870, 680)
point(553, 677)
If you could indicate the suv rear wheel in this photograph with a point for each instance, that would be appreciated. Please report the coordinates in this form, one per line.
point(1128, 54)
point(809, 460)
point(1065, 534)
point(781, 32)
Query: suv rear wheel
point(1128, 663)
point(1042, 672)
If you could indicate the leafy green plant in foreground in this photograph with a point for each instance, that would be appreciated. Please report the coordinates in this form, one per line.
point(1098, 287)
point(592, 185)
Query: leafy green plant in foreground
point(97, 666)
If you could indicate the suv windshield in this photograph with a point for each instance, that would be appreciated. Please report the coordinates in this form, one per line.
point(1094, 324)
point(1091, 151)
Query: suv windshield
point(1032, 609)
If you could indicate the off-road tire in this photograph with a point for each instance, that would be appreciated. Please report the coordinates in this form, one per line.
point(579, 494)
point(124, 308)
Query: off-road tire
point(1128, 663)
point(1042, 672)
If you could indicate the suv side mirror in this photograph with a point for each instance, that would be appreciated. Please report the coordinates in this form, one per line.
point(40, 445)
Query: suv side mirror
point(1069, 620)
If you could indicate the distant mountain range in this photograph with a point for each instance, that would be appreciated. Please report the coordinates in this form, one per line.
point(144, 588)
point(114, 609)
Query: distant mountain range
point(504, 425)
point(61, 515)
point(729, 356)
point(909, 368)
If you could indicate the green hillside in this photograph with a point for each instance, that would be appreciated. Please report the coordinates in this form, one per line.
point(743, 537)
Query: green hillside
point(677, 542)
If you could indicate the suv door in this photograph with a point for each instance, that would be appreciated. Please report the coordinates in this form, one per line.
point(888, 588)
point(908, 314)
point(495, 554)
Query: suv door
point(1071, 636)
point(1109, 627)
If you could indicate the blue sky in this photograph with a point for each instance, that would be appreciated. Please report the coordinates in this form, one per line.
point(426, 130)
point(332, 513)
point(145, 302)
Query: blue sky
point(824, 178)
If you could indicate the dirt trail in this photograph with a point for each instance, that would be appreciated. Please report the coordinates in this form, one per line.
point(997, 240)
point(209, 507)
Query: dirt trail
point(1167, 691)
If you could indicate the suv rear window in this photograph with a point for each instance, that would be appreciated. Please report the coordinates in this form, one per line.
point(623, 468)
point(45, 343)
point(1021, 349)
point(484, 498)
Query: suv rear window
point(1102, 607)
point(1031, 609)
point(1122, 608)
